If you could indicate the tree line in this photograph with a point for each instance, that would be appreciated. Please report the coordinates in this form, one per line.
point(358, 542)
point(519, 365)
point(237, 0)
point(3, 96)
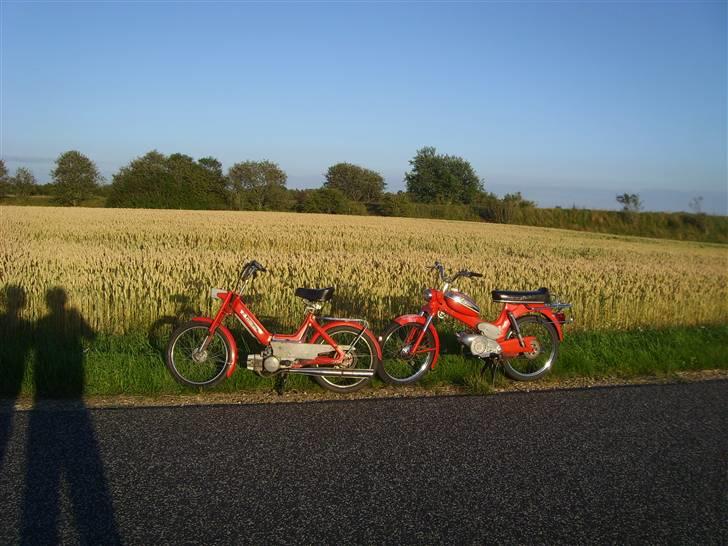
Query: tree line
point(437, 185)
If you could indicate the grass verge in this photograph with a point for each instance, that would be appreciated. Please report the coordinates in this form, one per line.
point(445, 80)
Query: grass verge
point(132, 365)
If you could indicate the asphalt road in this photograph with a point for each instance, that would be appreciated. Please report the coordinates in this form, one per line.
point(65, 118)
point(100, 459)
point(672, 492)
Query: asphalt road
point(618, 465)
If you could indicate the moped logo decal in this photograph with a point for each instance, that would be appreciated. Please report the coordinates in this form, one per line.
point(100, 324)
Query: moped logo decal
point(251, 323)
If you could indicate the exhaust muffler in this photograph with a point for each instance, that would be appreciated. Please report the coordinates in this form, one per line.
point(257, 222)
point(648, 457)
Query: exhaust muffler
point(330, 372)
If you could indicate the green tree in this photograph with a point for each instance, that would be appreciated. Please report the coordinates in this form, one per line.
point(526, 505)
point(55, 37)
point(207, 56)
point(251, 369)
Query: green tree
point(4, 182)
point(24, 183)
point(630, 202)
point(176, 181)
point(442, 178)
point(696, 204)
point(256, 185)
point(76, 178)
point(516, 200)
point(395, 204)
point(355, 182)
point(211, 164)
point(330, 201)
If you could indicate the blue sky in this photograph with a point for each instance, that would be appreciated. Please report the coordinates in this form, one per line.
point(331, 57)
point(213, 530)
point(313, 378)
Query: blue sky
point(569, 103)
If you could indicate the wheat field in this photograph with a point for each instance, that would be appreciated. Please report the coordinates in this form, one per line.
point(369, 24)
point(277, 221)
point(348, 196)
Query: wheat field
point(124, 269)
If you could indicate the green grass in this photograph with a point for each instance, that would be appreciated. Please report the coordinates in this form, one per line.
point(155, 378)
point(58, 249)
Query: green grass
point(132, 365)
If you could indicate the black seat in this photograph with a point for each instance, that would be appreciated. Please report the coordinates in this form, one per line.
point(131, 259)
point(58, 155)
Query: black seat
point(315, 294)
point(509, 296)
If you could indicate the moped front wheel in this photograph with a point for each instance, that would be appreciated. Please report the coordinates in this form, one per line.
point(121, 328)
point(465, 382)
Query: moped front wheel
point(191, 366)
point(361, 355)
point(528, 367)
point(399, 365)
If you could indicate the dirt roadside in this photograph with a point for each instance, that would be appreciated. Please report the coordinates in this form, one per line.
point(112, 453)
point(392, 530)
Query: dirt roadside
point(293, 396)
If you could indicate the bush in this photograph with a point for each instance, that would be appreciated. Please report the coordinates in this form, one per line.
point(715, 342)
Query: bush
point(328, 201)
point(160, 182)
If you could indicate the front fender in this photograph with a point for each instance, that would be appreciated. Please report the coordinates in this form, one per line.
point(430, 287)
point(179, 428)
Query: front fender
point(357, 325)
point(233, 357)
point(419, 319)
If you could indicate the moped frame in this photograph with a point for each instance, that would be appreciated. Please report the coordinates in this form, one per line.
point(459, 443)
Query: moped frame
point(437, 306)
point(233, 304)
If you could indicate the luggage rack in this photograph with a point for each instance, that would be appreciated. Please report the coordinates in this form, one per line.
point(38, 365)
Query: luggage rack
point(557, 307)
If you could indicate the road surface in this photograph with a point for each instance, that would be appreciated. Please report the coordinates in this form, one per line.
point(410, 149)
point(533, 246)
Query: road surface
point(619, 465)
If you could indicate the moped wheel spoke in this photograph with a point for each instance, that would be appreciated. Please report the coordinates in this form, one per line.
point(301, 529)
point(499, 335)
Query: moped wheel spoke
point(539, 361)
point(398, 364)
point(193, 366)
point(360, 357)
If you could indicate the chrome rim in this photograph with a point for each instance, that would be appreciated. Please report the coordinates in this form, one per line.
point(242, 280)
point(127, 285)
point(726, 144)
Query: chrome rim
point(397, 363)
point(360, 356)
point(545, 348)
point(195, 366)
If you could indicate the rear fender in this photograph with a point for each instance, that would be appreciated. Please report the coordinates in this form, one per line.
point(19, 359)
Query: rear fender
point(419, 319)
point(548, 315)
point(233, 357)
point(358, 325)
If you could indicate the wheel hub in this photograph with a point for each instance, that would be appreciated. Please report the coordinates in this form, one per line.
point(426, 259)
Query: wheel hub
point(536, 350)
point(199, 356)
point(348, 361)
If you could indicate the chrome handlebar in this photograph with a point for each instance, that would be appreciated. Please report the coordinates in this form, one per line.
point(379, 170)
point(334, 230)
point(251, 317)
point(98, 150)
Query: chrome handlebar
point(462, 273)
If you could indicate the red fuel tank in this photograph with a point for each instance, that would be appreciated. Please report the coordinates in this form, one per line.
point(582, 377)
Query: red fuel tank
point(462, 303)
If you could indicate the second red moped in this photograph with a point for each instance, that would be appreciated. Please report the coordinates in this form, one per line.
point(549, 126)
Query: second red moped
point(524, 338)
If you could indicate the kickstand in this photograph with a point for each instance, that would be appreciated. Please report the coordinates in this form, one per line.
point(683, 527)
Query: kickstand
point(492, 365)
point(280, 383)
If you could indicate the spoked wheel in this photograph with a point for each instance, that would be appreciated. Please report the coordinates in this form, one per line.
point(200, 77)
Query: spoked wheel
point(188, 364)
point(399, 365)
point(528, 367)
point(361, 356)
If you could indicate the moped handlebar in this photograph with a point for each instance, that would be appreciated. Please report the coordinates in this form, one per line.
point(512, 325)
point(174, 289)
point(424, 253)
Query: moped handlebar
point(462, 273)
point(249, 270)
point(257, 266)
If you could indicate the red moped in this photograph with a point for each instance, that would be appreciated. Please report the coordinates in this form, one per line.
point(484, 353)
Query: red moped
point(341, 354)
point(524, 338)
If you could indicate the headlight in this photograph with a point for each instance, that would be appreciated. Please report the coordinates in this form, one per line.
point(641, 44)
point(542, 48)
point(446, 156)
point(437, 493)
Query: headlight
point(427, 294)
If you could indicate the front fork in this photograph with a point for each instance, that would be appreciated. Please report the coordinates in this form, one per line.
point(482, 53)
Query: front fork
point(412, 349)
point(221, 314)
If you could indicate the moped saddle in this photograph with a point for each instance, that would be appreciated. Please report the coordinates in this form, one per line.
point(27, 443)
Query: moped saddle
point(509, 296)
point(315, 294)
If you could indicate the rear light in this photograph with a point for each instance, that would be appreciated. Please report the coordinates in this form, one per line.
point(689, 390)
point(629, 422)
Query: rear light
point(561, 317)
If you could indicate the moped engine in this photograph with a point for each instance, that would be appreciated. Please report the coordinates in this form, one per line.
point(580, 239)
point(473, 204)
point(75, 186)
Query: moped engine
point(262, 365)
point(480, 346)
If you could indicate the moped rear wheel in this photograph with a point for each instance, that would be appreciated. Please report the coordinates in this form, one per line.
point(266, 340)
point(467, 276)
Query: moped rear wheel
point(192, 367)
point(533, 366)
point(362, 356)
point(398, 367)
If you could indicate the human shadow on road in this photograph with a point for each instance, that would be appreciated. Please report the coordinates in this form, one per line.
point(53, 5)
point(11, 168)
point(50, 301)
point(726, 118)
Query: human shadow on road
point(62, 443)
point(15, 333)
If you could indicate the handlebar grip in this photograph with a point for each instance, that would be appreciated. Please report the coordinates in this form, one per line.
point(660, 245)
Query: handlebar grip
point(474, 274)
